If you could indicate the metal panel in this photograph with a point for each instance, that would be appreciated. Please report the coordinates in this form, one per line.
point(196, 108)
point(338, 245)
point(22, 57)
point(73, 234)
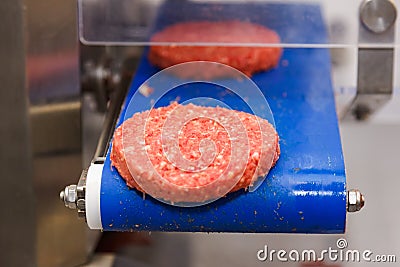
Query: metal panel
point(17, 238)
point(40, 133)
point(53, 78)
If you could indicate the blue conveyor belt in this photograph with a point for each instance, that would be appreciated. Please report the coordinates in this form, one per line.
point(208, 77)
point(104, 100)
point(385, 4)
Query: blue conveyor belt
point(304, 193)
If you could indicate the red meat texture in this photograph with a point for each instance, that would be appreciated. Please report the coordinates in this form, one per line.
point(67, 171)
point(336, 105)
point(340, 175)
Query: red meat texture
point(225, 34)
point(193, 154)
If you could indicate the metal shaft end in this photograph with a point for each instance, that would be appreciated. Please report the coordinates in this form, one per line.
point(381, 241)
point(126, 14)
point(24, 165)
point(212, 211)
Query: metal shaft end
point(62, 196)
point(69, 196)
point(355, 200)
point(378, 15)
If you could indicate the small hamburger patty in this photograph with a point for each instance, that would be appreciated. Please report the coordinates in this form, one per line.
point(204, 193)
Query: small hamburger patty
point(244, 147)
point(249, 60)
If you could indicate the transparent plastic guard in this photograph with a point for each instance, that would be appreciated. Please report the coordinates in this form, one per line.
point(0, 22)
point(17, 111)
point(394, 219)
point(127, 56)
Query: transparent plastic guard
point(151, 151)
point(307, 23)
point(327, 24)
point(299, 23)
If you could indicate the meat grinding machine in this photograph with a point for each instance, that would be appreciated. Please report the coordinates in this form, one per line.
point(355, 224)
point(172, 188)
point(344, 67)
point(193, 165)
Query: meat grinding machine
point(305, 192)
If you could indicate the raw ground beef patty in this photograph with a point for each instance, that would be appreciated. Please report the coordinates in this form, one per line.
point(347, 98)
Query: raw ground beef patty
point(249, 60)
point(189, 153)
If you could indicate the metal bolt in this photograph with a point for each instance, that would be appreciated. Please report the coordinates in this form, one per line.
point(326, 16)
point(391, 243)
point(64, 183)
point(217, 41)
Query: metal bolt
point(361, 112)
point(378, 15)
point(62, 196)
point(69, 196)
point(355, 200)
point(81, 214)
point(81, 204)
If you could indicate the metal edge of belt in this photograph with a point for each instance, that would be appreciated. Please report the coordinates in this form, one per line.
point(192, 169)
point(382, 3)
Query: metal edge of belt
point(73, 196)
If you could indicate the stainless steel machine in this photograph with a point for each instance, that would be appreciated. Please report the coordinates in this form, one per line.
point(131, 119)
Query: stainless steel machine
point(70, 69)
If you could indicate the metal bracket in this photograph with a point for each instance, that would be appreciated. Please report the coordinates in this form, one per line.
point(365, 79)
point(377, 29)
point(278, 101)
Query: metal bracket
point(374, 81)
point(81, 192)
point(375, 64)
point(73, 196)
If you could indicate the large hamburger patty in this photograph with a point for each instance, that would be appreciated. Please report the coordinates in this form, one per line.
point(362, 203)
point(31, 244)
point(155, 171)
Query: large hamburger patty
point(249, 60)
point(242, 148)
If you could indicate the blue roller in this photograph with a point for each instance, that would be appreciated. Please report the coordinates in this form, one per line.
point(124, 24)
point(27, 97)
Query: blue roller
point(305, 192)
